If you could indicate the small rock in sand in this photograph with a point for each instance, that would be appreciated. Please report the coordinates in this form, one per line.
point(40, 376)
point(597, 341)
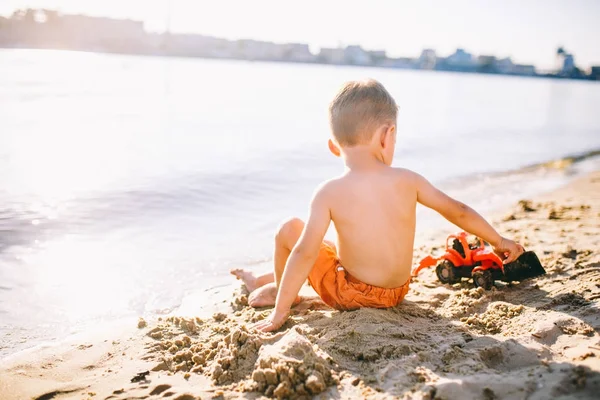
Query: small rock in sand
point(219, 317)
point(526, 205)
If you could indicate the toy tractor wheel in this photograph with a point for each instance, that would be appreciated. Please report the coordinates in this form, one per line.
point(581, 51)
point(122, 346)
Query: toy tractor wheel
point(445, 272)
point(483, 279)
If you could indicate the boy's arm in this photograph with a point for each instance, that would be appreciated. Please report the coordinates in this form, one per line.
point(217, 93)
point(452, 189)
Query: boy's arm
point(466, 218)
point(300, 262)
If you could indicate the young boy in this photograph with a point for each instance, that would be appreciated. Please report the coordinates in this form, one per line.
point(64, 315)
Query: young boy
point(372, 206)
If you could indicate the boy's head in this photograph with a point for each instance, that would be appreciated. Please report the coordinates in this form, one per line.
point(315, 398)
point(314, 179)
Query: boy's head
point(359, 110)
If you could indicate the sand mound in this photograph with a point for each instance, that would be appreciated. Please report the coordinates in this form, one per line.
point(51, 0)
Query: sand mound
point(235, 357)
point(292, 367)
point(284, 366)
point(494, 319)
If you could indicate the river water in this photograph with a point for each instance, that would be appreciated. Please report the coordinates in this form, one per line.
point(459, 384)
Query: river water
point(131, 185)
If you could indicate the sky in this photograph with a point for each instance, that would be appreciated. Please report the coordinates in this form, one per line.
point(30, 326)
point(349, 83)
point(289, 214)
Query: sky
point(529, 31)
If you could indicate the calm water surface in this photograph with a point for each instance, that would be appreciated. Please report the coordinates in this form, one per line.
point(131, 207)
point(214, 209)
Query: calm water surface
point(130, 185)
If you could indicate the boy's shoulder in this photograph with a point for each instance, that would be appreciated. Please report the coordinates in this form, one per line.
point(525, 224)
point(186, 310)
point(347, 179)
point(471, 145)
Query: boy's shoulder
point(330, 184)
point(402, 175)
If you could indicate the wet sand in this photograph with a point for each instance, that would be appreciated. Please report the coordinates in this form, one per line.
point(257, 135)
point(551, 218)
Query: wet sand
point(536, 339)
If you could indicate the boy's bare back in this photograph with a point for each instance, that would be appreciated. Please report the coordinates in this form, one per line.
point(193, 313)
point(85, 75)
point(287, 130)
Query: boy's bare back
point(374, 216)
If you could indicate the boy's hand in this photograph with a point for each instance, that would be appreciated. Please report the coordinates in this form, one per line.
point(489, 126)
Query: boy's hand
point(273, 322)
point(508, 250)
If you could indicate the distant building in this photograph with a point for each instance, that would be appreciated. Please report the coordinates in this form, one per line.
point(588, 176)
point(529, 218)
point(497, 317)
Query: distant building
point(378, 57)
point(187, 45)
point(258, 50)
point(331, 55)
point(100, 33)
point(220, 48)
point(595, 72)
point(355, 55)
point(505, 66)
point(487, 64)
point(460, 58)
point(298, 52)
point(378, 53)
point(568, 65)
point(49, 29)
point(401, 62)
point(526, 70)
point(427, 59)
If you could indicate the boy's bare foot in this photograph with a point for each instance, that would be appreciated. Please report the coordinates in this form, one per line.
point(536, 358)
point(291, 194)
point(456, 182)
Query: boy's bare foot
point(265, 296)
point(248, 278)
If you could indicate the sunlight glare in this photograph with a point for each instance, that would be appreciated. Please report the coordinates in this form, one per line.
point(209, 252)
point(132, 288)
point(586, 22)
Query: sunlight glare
point(83, 277)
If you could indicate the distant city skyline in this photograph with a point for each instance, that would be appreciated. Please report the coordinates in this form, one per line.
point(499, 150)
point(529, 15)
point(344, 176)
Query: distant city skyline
point(528, 32)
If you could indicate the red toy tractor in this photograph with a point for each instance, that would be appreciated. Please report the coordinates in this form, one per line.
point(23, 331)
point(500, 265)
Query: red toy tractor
point(464, 259)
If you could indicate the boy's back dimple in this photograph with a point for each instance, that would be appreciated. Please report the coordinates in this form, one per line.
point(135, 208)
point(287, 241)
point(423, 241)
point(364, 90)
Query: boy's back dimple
point(374, 216)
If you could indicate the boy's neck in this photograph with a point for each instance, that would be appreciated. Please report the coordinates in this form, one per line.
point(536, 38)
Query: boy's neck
point(361, 158)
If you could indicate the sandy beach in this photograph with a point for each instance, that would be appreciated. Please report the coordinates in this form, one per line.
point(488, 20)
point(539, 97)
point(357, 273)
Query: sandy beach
point(537, 339)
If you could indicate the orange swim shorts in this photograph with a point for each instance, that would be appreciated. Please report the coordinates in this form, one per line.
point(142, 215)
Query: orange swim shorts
point(338, 289)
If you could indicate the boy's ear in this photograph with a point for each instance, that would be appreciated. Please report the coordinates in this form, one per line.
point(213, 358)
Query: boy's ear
point(387, 136)
point(333, 148)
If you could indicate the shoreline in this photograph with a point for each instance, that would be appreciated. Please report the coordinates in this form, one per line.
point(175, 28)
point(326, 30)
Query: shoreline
point(582, 78)
point(536, 339)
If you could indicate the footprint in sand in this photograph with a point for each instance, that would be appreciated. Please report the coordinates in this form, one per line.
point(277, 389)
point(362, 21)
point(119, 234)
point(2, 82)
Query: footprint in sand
point(186, 397)
point(159, 389)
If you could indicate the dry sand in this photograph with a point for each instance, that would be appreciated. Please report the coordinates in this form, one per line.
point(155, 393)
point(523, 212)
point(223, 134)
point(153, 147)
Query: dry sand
point(537, 339)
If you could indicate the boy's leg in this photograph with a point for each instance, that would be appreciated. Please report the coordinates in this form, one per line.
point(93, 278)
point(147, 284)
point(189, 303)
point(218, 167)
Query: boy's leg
point(252, 281)
point(286, 238)
point(263, 288)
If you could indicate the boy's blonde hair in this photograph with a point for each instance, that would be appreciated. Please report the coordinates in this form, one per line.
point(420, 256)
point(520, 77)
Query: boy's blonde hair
point(358, 109)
